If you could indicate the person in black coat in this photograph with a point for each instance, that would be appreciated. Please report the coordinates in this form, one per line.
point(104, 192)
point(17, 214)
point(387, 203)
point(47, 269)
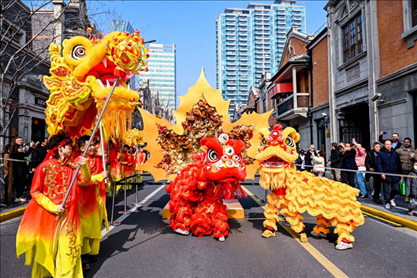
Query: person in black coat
point(20, 169)
point(348, 162)
point(308, 157)
point(335, 162)
point(38, 155)
point(371, 167)
point(388, 161)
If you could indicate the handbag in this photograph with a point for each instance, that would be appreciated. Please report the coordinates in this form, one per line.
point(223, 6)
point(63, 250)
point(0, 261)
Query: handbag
point(402, 187)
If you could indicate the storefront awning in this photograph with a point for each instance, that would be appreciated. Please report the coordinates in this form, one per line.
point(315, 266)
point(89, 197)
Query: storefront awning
point(280, 88)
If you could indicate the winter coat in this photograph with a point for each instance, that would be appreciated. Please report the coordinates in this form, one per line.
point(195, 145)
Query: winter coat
point(405, 158)
point(20, 168)
point(412, 184)
point(348, 160)
point(389, 162)
point(370, 162)
point(334, 159)
point(382, 140)
point(308, 158)
point(318, 164)
point(38, 155)
point(360, 156)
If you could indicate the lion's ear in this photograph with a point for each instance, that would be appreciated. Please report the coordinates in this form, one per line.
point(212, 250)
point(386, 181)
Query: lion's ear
point(296, 136)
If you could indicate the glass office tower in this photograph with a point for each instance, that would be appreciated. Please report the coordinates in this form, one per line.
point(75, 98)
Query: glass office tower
point(251, 41)
point(162, 73)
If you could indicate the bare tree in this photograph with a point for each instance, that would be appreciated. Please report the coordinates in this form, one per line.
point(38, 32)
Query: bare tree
point(26, 31)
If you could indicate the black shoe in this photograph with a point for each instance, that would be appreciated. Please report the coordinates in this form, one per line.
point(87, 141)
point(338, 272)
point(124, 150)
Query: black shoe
point(363, 196)
point(378, 201)
point(92, 258)
point(85, 262)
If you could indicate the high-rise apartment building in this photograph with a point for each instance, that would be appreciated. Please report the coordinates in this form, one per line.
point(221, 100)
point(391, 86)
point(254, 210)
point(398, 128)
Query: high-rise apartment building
point(162, 73)
point(251, 41)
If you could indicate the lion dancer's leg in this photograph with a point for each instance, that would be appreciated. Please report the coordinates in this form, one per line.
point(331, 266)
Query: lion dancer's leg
point(345, 239)
point(180, 219)
point(219, 221)
point(271, 215)
point(295, 219)
point(322, 227)
point(201, 219)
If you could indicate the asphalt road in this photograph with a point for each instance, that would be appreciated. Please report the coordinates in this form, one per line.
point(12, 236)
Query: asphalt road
point(144, 245)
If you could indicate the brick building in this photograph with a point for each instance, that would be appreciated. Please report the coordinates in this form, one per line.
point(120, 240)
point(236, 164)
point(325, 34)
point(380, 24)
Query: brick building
point(372, 69)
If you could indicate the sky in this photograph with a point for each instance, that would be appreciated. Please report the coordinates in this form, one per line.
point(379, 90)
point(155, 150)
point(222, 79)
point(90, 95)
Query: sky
point(191, 26)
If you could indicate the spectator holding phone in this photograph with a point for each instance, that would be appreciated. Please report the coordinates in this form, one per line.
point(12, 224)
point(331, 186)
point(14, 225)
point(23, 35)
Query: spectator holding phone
point(348, 163)
point(407, 153)
point(308, 157)
point(395, 140)
point(360, 163)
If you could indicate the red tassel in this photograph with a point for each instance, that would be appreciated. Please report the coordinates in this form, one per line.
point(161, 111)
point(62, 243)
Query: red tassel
point(118, 72)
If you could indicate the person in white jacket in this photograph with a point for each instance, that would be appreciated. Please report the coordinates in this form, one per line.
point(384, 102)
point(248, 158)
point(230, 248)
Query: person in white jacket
point(318, 164)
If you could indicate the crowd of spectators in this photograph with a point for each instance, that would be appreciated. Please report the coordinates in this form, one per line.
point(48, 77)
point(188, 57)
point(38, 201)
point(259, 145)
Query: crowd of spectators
point(350, 163)
point(25, 159)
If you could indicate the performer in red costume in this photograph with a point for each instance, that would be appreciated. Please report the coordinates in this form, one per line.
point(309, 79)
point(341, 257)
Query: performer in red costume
point(54, 246)
point(93, 204)
point(196, 194)
point(125, 161)
point(131, 165)
point(115, 166)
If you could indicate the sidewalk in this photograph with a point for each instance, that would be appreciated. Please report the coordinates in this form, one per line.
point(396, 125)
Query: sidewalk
point(396, 213)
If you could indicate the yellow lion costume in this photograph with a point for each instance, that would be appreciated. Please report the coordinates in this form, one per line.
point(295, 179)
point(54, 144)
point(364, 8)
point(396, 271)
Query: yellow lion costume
point(294, 192)
point(81, 80)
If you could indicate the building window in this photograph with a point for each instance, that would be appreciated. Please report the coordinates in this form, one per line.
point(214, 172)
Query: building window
point(414, 12)
point(352, 38)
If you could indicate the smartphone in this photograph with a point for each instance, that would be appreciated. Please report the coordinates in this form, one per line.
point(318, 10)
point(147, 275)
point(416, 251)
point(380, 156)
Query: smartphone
point(353, 140)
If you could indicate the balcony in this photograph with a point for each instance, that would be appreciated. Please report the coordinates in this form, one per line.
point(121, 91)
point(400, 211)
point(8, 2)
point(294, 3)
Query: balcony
point(286, 110)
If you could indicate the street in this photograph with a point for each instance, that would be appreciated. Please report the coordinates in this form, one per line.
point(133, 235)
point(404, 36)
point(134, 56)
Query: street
point(144, 245)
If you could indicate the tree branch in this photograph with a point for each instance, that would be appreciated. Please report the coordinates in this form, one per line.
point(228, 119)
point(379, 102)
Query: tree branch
point(23, 24)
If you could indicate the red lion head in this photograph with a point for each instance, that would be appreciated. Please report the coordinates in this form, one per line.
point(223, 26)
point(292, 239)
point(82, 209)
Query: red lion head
point(223, 159)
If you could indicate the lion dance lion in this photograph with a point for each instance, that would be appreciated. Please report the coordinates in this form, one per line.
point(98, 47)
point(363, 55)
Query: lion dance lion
point(196, 193)
point(81, 80)
point(294, 192)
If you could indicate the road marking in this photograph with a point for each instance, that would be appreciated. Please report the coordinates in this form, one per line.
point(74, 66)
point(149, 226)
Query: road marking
point(333, 269)
point(124, 216)
point(382, 219)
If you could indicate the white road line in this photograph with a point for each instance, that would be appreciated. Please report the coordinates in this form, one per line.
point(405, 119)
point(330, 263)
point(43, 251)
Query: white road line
point(124, 216)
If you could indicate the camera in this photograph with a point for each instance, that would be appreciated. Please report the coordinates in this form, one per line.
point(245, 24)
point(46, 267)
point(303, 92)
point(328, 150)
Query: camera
point(376, 97)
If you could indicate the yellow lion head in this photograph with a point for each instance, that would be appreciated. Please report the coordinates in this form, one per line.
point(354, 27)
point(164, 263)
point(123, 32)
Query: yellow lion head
point(277, 150)
point(81, 80)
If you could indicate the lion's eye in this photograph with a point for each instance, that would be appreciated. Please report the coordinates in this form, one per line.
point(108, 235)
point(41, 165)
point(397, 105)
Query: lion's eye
point(212, 155)
point(289, 141)
point(78, 52)
point(229, 151)
point(263, 142)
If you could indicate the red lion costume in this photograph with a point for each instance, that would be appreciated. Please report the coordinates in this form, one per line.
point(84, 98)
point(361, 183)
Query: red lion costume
point(196, 194)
